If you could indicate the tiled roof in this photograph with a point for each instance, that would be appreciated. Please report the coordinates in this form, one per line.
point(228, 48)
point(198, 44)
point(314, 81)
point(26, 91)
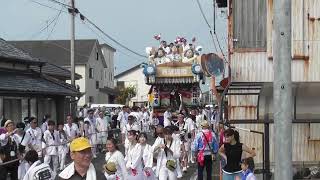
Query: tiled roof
point(57, 51)
point(55, 71)
point(8, 51)
point(32, 83)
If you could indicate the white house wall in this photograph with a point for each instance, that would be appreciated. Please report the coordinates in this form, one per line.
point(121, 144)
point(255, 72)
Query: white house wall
point(137, 79)
point(98, 70)
point(109, 70)
point(81, 70)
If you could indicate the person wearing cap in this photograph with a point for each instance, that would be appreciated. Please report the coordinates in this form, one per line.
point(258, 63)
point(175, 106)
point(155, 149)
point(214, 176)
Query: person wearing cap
point(130, 126)
point(168, 156)
point(9, 145)
point(92, 131)
point(205, 147)
point(81, 167)
point(33, 136)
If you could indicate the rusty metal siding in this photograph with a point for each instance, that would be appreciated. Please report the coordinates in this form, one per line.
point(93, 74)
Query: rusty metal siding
point(303, 149)
point(249, 23)
point(258, 66)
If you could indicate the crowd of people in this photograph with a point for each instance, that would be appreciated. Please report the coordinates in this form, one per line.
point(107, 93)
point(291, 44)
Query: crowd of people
point(29, 151)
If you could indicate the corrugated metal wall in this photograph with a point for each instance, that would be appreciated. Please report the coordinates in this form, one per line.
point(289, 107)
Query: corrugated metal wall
point(247, 14)
point(258, 67)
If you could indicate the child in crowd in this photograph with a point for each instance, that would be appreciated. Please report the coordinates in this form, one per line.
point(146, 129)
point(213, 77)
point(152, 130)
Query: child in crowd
point(63, 147)
point(247, 166)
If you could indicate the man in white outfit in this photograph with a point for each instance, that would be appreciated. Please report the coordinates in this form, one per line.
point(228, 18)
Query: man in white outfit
point(71, 129)
point(51, 139)
point(92, 135)
point(32, 139)
point(167, 117)
point(123, 117)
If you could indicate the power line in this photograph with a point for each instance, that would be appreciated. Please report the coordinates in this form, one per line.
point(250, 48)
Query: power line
point(112, 39)
point(55, 23)
point(210, 29)
point(82, 17)
point(58, 2)
point(44, 28)
point(44, 5)
point(87, 26)
point(214, 29)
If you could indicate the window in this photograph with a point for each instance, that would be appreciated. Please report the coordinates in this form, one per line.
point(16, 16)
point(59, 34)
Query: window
point(97, 56)
point(91, 73)
point(250, 24)
point(97, 84)
point(91, 99)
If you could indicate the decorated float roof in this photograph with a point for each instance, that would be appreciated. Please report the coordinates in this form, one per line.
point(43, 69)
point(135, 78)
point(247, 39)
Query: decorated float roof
point(175, 62)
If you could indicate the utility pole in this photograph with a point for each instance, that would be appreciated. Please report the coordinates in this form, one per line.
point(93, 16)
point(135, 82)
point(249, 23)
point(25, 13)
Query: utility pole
point(72, 44)
point(73, 83)
point(282, 88)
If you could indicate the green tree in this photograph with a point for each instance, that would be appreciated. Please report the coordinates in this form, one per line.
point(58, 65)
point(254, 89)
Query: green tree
point(125, 94)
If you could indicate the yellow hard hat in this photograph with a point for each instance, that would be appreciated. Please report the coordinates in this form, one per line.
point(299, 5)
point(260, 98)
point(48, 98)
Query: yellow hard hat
point(110, 168)
point(79, 144)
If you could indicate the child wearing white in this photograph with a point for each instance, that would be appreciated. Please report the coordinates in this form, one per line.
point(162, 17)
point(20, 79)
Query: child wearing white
point(134, 157)
point(147, 157)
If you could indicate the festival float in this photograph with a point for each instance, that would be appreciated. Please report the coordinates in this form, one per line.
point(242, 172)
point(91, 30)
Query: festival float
point(175, 71)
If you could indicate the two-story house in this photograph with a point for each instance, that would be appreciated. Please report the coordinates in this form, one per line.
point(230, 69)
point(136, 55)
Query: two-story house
point(250, 96)
point(30, 87)
point(94, 62)
point(134, 77)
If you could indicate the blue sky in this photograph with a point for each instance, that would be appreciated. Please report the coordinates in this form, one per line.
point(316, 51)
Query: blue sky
point(131, 22)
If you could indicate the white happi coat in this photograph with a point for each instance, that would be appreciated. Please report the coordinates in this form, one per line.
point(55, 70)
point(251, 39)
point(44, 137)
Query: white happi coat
point(52, 142)
point(32, 140)
point(117, 158)
point(72, 132)
point(162, 158)
point(147, 157)
point(134, 161)
point(92, 130)
point(125, 130)
point(102, 127)
point(31, 174)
